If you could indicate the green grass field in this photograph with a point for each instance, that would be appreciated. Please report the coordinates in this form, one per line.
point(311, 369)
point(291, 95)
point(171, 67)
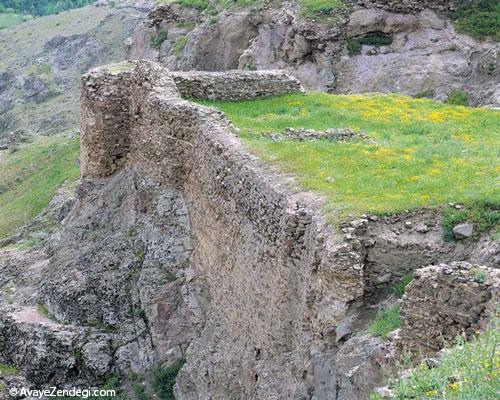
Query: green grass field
point(30, 177)
point(469, 371)
point(427, 153)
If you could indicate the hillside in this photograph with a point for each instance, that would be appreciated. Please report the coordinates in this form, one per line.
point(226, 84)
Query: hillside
point(250, 200)
point(41, 61)
point(417, 48)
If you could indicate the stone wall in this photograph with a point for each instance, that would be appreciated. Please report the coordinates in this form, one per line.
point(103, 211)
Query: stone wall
point(235, 85)
point(279, 280)
point(445, 301)
point(408, 6)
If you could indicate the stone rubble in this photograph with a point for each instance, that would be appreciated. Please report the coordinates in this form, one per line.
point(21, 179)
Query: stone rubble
point(332, 134)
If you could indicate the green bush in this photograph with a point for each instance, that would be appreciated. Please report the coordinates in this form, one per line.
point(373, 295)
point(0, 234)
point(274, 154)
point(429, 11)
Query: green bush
point(478, 18)
point(158, 38)
point(425, 94)
point(387, 320)
point(180, 44)
point(311, 8)
point(458, 98)
point(354, 45)
point(164, 380)
point(399, 288)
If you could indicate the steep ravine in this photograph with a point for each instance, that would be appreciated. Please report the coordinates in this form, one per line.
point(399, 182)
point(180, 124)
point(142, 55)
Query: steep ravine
point(181, 244)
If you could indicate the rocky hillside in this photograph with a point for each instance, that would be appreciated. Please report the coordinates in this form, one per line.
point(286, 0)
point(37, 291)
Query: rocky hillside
point(421, 48)
point(234, 236)
point(41, 61)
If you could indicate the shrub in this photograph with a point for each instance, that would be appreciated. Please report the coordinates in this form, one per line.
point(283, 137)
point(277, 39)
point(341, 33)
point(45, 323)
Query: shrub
point(180, 44)
point(158, 38)
point(400, 288)
point(458, 98)
point(311, 8)
point(425, 94)
point(478, 18)
point(354, 45)
point(387, 320)
point(164, 380)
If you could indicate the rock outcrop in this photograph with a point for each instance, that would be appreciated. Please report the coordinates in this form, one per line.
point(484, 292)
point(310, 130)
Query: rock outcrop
point(424, 53)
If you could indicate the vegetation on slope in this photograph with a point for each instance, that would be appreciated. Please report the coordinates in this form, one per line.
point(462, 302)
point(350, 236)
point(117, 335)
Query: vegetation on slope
point(312, 8)
point(213, 4)
point(41, 7)
point(478, 18)
point(23, 52)
point(389, 318)
point(10, 19)
point(426, 153)
point(468, 371)
point(30, 176)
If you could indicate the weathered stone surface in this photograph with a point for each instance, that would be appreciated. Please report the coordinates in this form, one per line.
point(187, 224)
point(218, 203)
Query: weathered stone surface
point(360, 364)
point(235, 85)
point(332, 134)
point(181, 244)
point(445, 301)
point(426, 54)
point(289, 334)
point(463, 231)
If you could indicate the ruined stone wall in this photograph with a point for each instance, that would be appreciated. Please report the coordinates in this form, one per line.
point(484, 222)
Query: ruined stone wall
point(284, 294)
point(445, 301)
point(408, 6)
point(104, 108)
point(235, 85)
point(279, 281)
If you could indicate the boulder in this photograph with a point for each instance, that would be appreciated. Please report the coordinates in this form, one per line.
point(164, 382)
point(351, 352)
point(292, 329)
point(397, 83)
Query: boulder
point(463, 231)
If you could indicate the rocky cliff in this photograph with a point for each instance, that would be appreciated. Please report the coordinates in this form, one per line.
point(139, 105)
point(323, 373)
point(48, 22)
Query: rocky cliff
point(409, 47)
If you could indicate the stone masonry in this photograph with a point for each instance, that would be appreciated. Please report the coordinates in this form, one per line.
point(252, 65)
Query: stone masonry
point(235, 85)
point(279, 280)
point(282, 293)
point(445, 301)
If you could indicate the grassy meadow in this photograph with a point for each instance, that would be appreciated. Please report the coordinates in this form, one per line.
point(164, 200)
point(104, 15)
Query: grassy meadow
point(426, 153)
point(30, 176)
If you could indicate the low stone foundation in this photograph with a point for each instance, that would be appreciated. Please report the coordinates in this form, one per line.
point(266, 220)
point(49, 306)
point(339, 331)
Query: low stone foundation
point(445, 301)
